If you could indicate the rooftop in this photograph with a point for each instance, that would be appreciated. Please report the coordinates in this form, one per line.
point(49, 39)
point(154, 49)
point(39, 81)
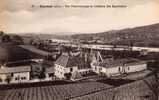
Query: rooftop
point(6, 70)
point(20, 63)
point(66, 60)
point(119, 62)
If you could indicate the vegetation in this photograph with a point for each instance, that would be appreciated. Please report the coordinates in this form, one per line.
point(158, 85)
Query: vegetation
point(6, 38)
point(139, 36)
point(16, 39)
point(68, 75)
point(8, 78)
point(0, 80)
point(1, 33)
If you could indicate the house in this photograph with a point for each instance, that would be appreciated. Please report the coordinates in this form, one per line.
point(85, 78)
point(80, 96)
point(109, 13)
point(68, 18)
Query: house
point(14, 74)
point(68, 66)
point(117, 67)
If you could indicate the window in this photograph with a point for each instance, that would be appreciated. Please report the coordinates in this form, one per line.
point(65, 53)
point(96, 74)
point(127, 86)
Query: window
point(71, 69)
point(11, 74)
point(23, 78)
point(119, 69)
point(128, 68)
point(16, 78)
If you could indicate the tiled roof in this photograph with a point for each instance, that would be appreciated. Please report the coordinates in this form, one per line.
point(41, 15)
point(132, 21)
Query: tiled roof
point(19, 63)
point(6, 70)
point(119, 62)
point(71, 61)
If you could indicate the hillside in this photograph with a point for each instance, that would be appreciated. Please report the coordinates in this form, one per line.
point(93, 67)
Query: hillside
point(144, 36)
point(138, 36)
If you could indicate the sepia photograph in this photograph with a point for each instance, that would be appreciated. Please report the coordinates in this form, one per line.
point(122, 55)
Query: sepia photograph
point(79, 50)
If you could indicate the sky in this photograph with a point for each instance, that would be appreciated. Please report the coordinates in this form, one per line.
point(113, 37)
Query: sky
point(17, 16)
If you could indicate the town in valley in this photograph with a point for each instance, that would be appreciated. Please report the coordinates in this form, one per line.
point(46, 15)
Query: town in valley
point(113, 65)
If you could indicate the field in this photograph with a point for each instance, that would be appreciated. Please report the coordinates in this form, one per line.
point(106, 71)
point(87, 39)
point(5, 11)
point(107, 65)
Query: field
point(139, 90)
point(53, 92)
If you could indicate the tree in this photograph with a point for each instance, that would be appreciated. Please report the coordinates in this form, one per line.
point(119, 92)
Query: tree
point(41, 46)
point(8, 79)
point(0, 80)
point(6, 38)
point(68, 75)
point(17, 39)
point(4, 55)
point(42, 73)
point(1, 33)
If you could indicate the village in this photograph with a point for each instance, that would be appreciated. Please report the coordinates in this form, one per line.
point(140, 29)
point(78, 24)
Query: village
point(27, 62)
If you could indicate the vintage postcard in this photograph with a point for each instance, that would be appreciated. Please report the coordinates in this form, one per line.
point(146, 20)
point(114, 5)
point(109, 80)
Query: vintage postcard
point(79, 50)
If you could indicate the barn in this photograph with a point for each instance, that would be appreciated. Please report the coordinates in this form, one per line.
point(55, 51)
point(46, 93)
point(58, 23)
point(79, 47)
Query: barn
point(14, 74)
point(115, 67)
point(68, 66)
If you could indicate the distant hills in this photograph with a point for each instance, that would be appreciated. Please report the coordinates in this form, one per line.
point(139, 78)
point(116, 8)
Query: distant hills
point(141, 36)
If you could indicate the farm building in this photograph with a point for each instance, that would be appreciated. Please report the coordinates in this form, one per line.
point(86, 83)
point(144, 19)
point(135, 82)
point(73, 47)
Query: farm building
point(117, 67)
point(14, 74)
point(68, 66)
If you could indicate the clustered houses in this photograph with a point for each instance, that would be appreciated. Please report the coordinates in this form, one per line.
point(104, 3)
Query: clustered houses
point(23, 72)
point(117, 67)
point(68, 66)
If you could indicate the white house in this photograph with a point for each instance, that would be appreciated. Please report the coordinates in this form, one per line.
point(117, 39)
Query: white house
point(14, 74)
point(68, 66)
point(118, 66)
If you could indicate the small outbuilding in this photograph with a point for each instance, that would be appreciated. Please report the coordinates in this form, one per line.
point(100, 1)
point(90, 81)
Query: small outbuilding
point(14, 74)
